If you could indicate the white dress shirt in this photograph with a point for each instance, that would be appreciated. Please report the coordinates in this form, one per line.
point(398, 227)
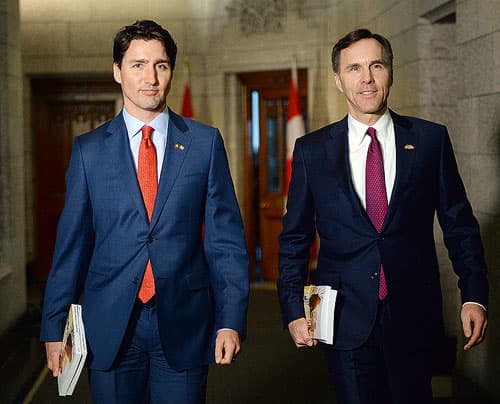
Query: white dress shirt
point(159, 136)
point(359, 141)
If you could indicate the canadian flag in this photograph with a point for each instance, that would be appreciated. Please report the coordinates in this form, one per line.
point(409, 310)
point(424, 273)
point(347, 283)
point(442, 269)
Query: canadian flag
point(295, 129)
point(187, 108)
point(294, 125)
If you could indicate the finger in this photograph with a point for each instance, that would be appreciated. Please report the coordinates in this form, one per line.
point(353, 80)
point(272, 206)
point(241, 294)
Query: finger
point(228, 355)
point(470, 343)
point(476, 335)
point(467, 328)
point(302, 337)
point(53, 365)
point(237, 350)
point(302, 340)
point(218, 350)
point(306, 337)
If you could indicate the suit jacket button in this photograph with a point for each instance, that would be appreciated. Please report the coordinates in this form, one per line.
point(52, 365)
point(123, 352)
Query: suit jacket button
point(150, 239)
point(136, 280)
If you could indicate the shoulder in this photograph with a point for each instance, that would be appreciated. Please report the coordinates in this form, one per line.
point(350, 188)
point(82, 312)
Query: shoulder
point(417, 124)
point(190, 125)
point(322, 135)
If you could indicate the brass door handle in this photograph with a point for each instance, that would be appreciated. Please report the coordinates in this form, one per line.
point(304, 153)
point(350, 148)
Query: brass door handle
point(264, 205)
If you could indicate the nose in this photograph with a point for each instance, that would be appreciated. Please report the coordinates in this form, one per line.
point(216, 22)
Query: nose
point(367, 75)
point(150, 75)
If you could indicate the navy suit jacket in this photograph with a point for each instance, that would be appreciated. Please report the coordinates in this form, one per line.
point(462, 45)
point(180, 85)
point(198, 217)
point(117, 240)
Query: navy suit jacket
point(104, 240)
point(322, 198)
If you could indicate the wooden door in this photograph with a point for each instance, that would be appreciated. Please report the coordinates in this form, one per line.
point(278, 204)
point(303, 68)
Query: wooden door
point(61, 110)
point(266, 100)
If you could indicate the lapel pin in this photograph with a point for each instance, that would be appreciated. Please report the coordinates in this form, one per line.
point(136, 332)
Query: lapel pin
point(179, 146)
point(409, 147)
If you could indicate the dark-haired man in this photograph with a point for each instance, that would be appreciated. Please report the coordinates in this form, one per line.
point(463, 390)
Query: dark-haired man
point(370, 185)
point(160, 299)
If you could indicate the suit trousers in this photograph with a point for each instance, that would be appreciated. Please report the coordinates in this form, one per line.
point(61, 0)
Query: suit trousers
point(141, 373)
point(382, 370)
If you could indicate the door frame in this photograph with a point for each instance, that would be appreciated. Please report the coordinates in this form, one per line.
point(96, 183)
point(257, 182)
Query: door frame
point(249, 81)
point(45, 92)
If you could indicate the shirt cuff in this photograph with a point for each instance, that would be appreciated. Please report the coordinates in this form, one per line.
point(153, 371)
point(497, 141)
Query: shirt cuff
point(477, 304)
point(224, 329)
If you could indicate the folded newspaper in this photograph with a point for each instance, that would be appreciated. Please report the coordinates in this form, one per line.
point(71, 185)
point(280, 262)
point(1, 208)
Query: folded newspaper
point(73, 353)
point(319, 308)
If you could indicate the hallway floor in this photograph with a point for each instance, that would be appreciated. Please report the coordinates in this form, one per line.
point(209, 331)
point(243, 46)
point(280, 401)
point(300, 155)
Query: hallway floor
point(269, 369)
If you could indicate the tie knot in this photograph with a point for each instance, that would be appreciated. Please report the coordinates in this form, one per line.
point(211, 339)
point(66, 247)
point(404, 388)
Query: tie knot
point(146, 132)
point(371, 132)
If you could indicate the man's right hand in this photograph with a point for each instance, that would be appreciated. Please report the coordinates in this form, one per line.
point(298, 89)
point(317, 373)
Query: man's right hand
point(53, 352)
point(300, 333)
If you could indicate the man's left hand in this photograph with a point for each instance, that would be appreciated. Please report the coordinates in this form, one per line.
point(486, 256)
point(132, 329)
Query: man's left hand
point(474, 323)
point(227, 346)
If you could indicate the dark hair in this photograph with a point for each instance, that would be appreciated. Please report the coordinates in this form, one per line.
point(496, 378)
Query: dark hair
point(147, 30)
point(355, 36)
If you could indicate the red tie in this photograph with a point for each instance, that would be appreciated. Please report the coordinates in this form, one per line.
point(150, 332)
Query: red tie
point(376, 195)
point(148, 181)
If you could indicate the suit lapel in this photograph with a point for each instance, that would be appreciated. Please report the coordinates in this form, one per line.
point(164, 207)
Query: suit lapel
point(177, 148)
point(405, 156)
point(337, 150)
point(118, 145)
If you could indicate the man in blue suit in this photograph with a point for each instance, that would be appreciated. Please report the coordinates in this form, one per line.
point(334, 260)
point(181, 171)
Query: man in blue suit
point(370, 186)
point(151, 236)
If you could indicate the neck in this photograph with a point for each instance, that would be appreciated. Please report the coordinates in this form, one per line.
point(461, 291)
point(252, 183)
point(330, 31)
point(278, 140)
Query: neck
point(368, 119)
point(144, 115)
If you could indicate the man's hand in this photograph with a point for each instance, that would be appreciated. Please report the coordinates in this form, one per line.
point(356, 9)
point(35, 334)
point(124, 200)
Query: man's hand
point(474, 323)
point(53, 352)
point(300, 333)
point(227, 346)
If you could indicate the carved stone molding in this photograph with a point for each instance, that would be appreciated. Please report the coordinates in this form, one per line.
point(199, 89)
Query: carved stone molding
point(259, 16)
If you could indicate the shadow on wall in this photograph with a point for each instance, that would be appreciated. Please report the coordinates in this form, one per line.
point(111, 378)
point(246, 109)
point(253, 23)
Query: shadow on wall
point(318, 99)
point(490, 352)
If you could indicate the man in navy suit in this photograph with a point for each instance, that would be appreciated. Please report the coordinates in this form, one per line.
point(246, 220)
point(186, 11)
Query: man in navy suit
point(150, 338)
point(376, 235)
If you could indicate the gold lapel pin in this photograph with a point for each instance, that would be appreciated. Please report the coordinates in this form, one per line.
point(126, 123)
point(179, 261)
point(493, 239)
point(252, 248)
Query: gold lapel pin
point(409, 147)
point(179, 146)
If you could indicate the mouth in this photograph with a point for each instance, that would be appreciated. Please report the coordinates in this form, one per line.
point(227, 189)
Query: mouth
point(368, 92)
point(150, 91)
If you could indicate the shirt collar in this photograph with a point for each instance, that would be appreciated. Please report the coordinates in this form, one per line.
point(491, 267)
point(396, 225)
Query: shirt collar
point(134, 125)
point(357, 130)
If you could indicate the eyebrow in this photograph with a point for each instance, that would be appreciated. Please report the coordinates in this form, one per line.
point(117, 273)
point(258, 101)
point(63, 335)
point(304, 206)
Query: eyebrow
point(372, 62)
point(147, 61)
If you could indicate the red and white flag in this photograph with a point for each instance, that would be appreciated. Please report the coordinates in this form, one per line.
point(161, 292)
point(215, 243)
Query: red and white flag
point(295, 129)
point(294, 125)
point(187, 108)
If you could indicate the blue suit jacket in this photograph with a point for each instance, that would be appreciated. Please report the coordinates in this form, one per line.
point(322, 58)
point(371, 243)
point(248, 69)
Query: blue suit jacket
point(322, 198)
point(104, 240)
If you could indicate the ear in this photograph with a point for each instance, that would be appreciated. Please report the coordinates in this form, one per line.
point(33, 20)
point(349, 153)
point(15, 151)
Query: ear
point(117, 73)
point(338, 82)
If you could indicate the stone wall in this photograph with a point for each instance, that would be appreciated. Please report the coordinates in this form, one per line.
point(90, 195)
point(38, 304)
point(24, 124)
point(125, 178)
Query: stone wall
point(12, 212)
point(447, 72)
point(477, 143)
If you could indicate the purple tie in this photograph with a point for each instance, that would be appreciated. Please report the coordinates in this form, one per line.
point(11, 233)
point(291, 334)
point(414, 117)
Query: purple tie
point(376, 195)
